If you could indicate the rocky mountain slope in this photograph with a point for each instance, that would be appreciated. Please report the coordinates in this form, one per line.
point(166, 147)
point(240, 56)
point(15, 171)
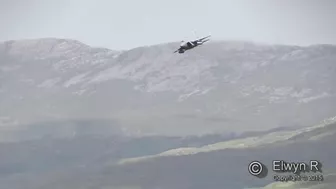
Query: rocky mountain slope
point(224, 86)
point(84, 117)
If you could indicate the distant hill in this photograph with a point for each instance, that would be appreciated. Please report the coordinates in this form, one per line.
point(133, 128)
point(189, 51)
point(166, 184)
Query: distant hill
point(224, 86)
point(87, 162)
point(78, 117)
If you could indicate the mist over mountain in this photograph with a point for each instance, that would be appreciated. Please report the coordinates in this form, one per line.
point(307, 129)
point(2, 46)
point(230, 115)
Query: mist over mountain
point(224, 86)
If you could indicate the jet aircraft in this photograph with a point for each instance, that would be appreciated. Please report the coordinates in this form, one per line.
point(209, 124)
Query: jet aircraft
point(191, 44)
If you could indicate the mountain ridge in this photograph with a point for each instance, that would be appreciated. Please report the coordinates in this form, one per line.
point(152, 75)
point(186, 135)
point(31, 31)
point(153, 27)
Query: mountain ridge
point(83, 163)
point(219, 85)
point(241, 143)
point(73, 116)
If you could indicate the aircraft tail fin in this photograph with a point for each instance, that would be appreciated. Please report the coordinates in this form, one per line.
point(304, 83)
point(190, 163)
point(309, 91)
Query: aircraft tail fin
point(205, 41)
point(195, 35)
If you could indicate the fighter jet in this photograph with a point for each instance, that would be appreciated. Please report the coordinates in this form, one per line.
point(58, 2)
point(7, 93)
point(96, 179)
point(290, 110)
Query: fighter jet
point(191, 44)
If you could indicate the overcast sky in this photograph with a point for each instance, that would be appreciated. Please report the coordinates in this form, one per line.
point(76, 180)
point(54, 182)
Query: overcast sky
point(122, 24)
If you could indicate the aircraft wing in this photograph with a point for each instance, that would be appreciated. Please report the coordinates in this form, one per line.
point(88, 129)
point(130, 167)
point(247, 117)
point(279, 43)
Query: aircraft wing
point(176, 50)
point(201, 39)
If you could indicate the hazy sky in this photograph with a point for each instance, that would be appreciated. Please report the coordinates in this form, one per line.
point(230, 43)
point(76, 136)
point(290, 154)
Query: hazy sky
point(121, 24)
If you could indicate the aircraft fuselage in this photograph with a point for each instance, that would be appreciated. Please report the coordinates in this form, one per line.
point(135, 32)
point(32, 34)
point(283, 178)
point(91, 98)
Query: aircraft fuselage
point(187, 46)
point(191, 44)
